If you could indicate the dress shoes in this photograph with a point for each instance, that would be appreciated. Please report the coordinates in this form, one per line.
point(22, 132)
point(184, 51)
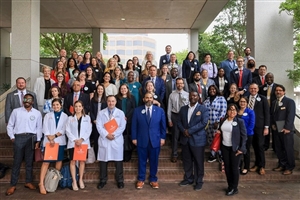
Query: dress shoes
point(262, 171)
point(101, 185)
point(42, 189)
point(232, 192)
point(198, 187)
point(185, 183)
point(253, 169)
point(174, 159)
point(154, 185)
point(139, 184)
point(120, 185)
point(10, 190)
point(74, 186)
point(30, 186)
point(287, 172)
point(278, 169)
point(81, 185)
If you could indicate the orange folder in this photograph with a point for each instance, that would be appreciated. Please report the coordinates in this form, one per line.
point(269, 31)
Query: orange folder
point(111, 126)
point(71, 109)
point(80, 152)
point(51, 153)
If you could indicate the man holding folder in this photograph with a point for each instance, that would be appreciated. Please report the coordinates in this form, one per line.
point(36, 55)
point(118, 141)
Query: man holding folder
point(111, 124)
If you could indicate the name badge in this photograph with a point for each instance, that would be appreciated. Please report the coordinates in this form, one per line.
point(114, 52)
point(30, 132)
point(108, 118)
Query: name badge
point(192, 68)
point(245, 114)
point(282, 108)
point(134, 86)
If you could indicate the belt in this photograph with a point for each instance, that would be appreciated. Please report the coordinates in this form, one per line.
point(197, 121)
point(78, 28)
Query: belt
point(175, 113)
point(23, 134)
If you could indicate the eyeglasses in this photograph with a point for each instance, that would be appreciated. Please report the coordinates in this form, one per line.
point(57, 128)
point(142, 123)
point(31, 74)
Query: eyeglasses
point(59, 76)
point(278, 90)
point(27, 100)
point(232, 110)
point(239, 61)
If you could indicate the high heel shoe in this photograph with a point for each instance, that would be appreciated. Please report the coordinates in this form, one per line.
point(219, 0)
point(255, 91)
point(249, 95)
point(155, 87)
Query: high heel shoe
point(42, 189)
point(81, 185)
point(74, 186)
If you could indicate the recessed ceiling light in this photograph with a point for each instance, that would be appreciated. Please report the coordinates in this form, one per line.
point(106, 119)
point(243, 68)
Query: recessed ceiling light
point(123, 19)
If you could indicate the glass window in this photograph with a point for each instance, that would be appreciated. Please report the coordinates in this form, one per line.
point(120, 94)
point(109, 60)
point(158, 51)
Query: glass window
point(128, 43)
point(137, 52)
point(129, 52)
point(112, 52)
point(111, 43)
point(149, 44)
point(120, 52)
point(137, 43)
point(120, 43)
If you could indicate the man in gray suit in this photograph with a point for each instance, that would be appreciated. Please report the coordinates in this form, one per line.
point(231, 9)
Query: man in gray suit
point(15, 98)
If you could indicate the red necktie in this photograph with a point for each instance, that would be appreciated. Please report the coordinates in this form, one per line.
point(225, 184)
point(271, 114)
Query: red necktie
point(199, 88)
point(240, 85)
point(262, 80)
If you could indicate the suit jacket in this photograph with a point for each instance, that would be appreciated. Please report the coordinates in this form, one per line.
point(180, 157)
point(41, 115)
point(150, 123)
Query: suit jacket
point(246, 80)
point(263, 90)
point(145, 132)
point(169, 89)
point(227, 68)
point(226, 86)
point(257, 80)
point(285, 111)
point(13, 101)
point(130, 105)
point(262, 111)
point(196, 126)
point(164, 60)
point(68, 101)
point(188, 68)
point(39, 90)
point(160, 88)
point(94, 109)
point(239, 135)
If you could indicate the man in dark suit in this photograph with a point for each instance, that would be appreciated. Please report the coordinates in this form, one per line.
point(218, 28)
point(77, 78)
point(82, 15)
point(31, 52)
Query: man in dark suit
point(241, 76)
point(259, 104)
point(229, 64)
point(283, 112)
point(192, 123)
point(171, 84)
point(261, 78)
point(196, 86)
point(268, 90)
point(165, 59)
point(148, 133)
point(73, 97)
point(15, 98)
point(159, 83)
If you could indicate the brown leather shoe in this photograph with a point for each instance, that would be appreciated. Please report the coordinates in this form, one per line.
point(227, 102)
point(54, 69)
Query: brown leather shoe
point(10, 190)
point(42, 189)
point(139, 184)
point(253, 169)
point(278, 169)
point(287, 172)
point(262, 171)
point(30, 186)
point(174, 159)
point(154, 185)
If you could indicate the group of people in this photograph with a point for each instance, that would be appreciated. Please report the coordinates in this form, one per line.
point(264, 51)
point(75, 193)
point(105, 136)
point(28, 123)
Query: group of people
point(81, 95)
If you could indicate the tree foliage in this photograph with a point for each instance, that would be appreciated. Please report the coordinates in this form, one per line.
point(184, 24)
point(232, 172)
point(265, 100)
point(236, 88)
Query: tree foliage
point(214, 45)
point(292, 7)
point(231, 25)
point(181, 55)
point(51, 43)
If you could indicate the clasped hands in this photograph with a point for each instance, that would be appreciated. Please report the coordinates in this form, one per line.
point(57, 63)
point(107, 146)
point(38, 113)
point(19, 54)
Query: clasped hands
point(186, 133)
point(110, 136)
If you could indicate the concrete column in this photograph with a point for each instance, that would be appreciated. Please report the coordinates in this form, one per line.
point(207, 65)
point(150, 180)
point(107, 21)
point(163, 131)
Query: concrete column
point(97, 40)
point(4, 52)
point(270, 35)
point(194, 41)
point(25, 45)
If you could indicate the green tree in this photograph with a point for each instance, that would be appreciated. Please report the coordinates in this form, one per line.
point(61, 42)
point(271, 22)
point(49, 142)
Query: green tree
point(214, 45)
point(180, 55)
point(231, 25)
point(51, 43)
point(292, 8)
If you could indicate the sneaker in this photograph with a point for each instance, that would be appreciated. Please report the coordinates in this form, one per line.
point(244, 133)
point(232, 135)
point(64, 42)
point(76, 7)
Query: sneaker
point(198, 187)
point(211, 159)
point(185, 183)
point(139, 184)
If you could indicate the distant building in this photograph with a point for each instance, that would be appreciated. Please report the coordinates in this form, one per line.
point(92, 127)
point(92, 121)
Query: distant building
point(127, 46)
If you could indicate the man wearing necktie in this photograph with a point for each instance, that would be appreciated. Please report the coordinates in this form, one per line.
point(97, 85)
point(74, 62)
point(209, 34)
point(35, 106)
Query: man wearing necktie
point(177, 99)
point(165, 59)
point(148, 133)
point(283, 112)
point(261, 78)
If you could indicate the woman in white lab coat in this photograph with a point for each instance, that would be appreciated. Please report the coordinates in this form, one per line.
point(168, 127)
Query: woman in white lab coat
point(54, 127)
point(78, 130)
point(111, 145)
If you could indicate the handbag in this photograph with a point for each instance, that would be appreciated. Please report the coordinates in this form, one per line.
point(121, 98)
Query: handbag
point(128, 145)
point(91, 156)
point(52, 179)
point(216, 143)
point(38, 155)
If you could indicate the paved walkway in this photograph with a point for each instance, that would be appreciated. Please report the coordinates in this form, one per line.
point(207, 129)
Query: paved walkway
point(210, 190)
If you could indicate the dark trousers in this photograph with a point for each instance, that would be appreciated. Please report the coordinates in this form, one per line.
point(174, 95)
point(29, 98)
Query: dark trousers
point(143, 155)
point(193, 163)
point(175, 133)
point(231, 164)
point(118, 173)
point(22, 149)
point(284, 144)
point(268, 140)
point(247, 155)
point(258, 146)
point(94, 139)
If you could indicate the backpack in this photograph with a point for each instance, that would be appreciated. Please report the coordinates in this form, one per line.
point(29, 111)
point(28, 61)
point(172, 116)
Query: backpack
point(66, 181)
point(52, 178)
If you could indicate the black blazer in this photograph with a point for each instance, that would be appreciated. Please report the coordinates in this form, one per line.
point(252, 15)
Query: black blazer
point(131, 104)
point(226, 86)
point(262, 111)
point(68, 101)
point(94, 109)
point(263, 89)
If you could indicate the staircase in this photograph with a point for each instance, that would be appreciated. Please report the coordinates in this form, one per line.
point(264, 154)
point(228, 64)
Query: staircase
point(167, 171)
